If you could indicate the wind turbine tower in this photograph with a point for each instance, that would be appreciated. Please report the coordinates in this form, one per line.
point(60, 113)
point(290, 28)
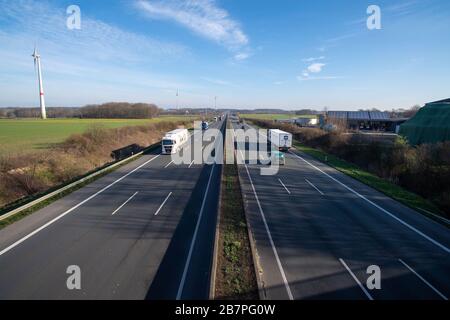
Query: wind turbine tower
point(37, 62)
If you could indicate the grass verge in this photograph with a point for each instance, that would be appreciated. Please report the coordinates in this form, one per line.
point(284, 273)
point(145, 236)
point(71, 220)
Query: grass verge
point(394, 191)
point(235, 272)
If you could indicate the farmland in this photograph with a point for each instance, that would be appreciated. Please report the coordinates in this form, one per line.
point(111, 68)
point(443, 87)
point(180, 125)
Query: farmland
point(18, 135)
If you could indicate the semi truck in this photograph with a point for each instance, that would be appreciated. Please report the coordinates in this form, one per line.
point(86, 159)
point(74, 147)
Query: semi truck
point(173, 140)
point(281, 139)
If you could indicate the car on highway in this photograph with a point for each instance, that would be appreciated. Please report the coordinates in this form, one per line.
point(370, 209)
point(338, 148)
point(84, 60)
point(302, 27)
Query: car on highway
point(278, 157)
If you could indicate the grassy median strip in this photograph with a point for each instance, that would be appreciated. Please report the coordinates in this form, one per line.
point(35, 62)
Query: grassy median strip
point(396, 192)
point(235, 278)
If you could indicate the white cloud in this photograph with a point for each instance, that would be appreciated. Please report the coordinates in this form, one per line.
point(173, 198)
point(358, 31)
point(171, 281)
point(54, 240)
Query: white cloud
point(92, 60)
point(311, 59)
point(303, 78)
point(217, 81)
point(316, 67)
point(30, 22)
point(202, 17)
point(241, 56)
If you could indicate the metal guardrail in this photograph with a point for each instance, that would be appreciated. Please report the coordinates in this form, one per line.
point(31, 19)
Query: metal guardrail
point(71, 185)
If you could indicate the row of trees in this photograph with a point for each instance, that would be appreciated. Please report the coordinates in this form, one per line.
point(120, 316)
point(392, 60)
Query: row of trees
point(111, 110)
point(121, 110)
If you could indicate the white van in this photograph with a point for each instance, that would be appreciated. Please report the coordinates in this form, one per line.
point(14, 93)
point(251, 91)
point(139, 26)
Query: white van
point(173, 140)
point(281, 139)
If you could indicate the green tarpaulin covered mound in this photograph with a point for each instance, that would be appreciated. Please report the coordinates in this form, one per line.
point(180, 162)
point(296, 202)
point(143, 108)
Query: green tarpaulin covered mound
point(431, 124)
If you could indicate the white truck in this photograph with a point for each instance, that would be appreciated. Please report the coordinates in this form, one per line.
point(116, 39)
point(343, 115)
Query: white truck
point(173, 140)
point(281, 139)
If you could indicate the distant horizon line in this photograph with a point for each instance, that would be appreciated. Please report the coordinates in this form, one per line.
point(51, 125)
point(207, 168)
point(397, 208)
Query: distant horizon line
point(315, 109)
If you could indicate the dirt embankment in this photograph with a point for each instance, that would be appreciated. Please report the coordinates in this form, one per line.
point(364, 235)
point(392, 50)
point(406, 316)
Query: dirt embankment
point(23, 175)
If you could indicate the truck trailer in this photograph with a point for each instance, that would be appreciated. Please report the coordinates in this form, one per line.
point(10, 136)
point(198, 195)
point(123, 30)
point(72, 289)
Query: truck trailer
point(281, 139)
point(173, 140)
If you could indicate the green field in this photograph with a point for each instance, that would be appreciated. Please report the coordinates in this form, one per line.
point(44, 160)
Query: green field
point(273, 116)
point(21, 135)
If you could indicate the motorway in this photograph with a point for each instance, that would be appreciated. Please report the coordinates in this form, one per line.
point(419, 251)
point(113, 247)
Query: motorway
point(144, 231)
point(316, 232)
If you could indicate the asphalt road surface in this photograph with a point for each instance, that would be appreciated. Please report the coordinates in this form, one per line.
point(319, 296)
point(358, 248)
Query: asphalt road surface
point(317, 231)
point(144, 231)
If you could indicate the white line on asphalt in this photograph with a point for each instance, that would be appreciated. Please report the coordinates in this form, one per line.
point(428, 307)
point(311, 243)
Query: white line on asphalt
point(447, 221)
point(73, 208)
point(162, 204)
point(121, 206)
point(356, 279)
point(168, 164)
point(443, 247)
point(284, 186)
point(191, 163)
point(313, 186)
point(274, 249)
point(425, 281)
point(194, 237)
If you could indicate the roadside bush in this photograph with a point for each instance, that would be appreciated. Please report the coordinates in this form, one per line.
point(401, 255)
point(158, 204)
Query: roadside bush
point(424, 170)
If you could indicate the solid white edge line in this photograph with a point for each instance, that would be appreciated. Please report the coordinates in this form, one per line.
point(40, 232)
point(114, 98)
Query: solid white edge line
point(121, 206)
point(168, 164)
point(284, 186)
point(162, 204)
point(194, 237)
point(423, 279)
point(73, 208)
point(356, 279)
point(274, 249)
point(438, 244)
point(310, 183)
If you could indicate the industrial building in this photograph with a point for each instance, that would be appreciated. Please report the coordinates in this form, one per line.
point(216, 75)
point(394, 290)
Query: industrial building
point(301, 122)
point(431, 124)
point(364, 120)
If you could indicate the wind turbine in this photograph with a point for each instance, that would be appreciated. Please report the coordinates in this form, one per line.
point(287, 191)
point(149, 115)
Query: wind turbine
point(37, 61)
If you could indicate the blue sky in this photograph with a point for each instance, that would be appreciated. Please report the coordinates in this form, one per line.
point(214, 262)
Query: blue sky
point(286, 54)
